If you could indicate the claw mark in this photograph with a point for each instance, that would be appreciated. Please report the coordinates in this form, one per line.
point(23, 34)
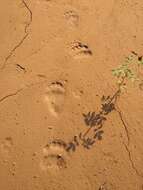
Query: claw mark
point(10, 95)
point(20, 67)
point(131, 161)
point(24, 37)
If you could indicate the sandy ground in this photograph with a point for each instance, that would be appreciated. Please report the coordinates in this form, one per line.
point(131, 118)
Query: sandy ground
point(56, 58)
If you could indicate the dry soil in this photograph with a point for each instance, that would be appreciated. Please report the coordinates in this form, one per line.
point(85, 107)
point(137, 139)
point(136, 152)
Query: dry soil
point(56, 58)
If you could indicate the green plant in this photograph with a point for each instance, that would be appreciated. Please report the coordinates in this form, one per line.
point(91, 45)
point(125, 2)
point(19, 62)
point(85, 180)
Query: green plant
point(95, 121)
point(128, 70)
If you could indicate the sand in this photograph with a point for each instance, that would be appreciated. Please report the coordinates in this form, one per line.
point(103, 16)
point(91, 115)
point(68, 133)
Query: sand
point(56, 58)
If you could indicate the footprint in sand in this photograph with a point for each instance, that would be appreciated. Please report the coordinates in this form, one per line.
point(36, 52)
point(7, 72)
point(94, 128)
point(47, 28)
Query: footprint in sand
point(80, 50)
point(42, 1)
point(54, 156)
point(106, 186)
point(77, 94)
point(141, 86)
point(55, 97)
point(6, 145)
point(72, 18)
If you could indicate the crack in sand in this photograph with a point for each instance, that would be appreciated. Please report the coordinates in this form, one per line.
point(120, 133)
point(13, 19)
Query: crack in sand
point(128, 143)
point(24, 37)
point(131, 161)
point(13, 50)
point(21, 89)
point(30, 13)
point(124, 125)
point(10, 95)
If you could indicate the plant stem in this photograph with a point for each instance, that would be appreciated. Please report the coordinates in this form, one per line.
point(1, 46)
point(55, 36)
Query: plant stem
point(87, 131)
point(113, 99)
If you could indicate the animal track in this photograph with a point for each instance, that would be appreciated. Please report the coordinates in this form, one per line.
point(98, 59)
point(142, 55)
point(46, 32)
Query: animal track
point(43, 1)
point(141, 86)
point(54, 156)
point(72, 18)
point(55, 96)
point(77, 94)
point(106, 186)
point(80, 50)
point(7, 145)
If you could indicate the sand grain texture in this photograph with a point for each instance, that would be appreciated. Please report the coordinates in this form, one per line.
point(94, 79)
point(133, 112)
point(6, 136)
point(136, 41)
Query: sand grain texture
point(56, 58)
